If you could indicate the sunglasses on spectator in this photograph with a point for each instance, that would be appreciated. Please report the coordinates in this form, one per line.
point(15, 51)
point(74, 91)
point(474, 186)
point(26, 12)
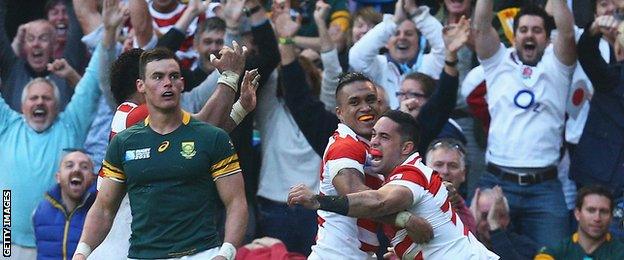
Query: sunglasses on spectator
point(449, 144)
point(400, 94)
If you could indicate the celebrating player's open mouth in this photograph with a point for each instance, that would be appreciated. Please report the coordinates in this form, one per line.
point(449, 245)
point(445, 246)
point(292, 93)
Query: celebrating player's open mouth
point(376, 157)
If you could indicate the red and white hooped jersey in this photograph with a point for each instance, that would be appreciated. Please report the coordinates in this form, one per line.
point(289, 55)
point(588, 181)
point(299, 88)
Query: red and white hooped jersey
point(126, 115)
point(116, 243)
point(452, 240)
point(165, 21)
point(341, 237)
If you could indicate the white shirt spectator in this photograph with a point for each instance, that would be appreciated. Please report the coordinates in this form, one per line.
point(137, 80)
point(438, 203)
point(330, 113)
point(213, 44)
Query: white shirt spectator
point(364, 55)
point(527, 106)
point(287, 157)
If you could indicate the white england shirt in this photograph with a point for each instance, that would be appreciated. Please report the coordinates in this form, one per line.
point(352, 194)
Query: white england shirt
point(527, 107)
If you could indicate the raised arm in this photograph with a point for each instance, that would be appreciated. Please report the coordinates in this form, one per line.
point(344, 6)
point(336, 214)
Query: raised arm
point(363, 54)
point(193, 9)
point(62, 69)
point(87, 14)
point(82, 107)
point(437, 110)
point(232, 13)
point(486, 37)
point(141, 21)
point(431, 29)
point(329, 58)
point(604, 77)
point(7, 55)
point(100, 217)
point(264, 37)
point(231, 66)
point(320, 16)
point(174, 38)
point(113, 16)
point(316, 123)
point(246, 101)
point(564, 44)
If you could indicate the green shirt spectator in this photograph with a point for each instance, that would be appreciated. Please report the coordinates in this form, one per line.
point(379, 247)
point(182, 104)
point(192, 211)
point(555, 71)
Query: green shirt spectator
point(571, 249)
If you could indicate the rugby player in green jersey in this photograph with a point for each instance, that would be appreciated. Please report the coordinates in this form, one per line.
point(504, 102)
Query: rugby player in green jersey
point(175, 169)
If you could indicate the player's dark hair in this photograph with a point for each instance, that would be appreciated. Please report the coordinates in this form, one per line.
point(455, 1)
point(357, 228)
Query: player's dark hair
point(348, 78)
point(408, 126)
point(123, 74)
point(154, 55)
point(532, 9)
point(593, 189)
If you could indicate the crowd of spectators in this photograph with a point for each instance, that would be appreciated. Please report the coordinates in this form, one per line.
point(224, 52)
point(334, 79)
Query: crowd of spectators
point(520, 104)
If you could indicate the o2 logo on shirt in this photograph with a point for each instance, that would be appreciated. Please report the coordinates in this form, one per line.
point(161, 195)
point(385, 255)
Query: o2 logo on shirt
point(525, 99)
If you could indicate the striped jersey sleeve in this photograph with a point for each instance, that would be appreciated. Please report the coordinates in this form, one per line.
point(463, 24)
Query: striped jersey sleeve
point(227, 162)
point(547, 253)
point(344, 152)
point(112, 165)
point(127, 115)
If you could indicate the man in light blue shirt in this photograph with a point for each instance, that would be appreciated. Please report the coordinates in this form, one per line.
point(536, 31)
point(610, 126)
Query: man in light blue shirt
point(31, 145)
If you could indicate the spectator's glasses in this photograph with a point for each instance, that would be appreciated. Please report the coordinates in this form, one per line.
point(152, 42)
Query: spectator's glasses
point(408, 95)
point(448, 143)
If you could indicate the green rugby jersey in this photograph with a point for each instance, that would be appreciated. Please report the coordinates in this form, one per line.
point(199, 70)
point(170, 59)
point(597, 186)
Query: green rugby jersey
point(170, 180)
point(570, 249)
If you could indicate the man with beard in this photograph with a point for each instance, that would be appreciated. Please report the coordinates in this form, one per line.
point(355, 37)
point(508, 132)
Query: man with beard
point(64, 205)
point(527, 90)
point(410, 185)
point(31, 142)
point(592, 240)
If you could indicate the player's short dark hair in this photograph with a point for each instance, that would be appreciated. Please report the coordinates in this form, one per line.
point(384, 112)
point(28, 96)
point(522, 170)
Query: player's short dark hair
point(593, 189)
point(348, 78)
point(408, 126)
point(532, 9)
point(154, 55)
point(209, 25)
point(123, 74)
